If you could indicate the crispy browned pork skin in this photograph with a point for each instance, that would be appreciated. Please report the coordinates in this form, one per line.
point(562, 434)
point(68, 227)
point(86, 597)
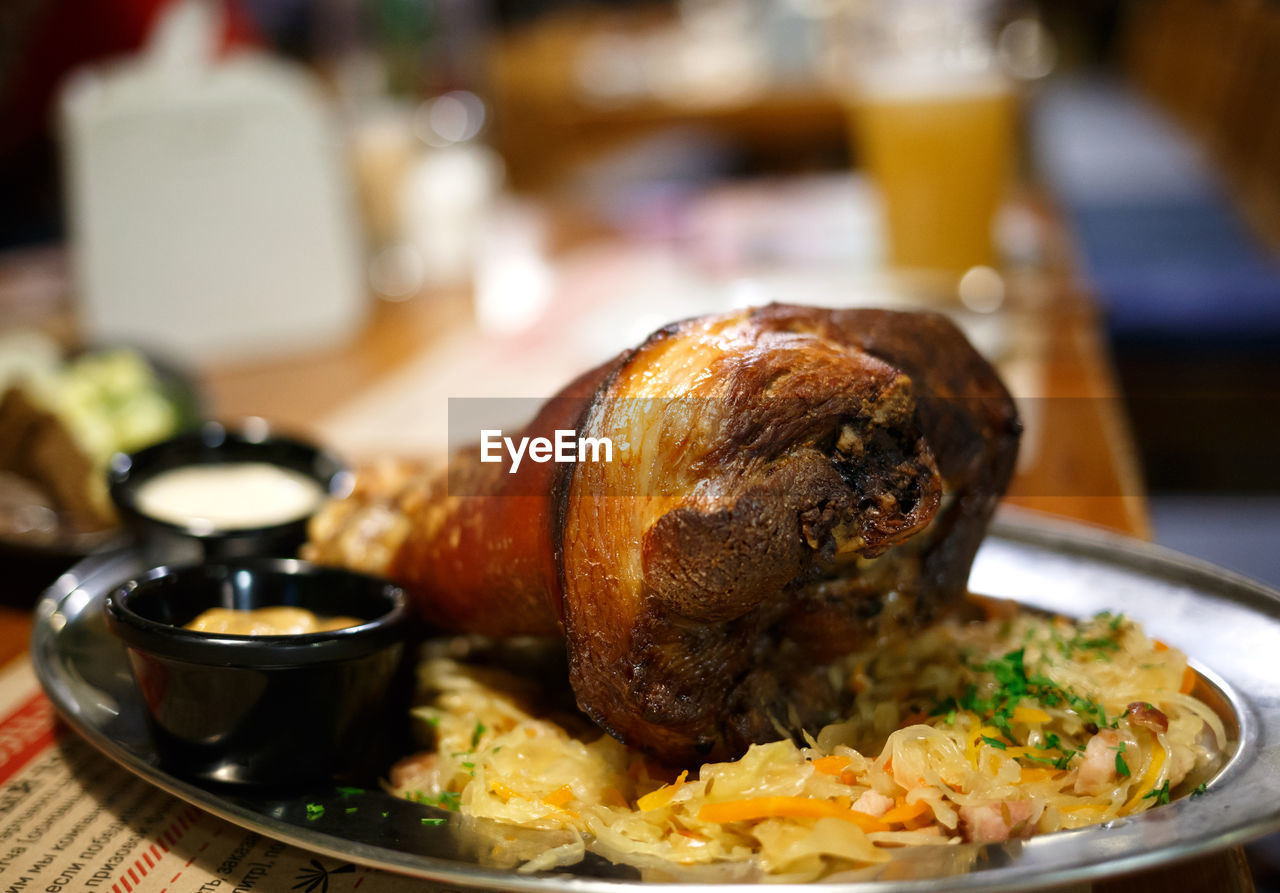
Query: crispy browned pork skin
point(789, 484)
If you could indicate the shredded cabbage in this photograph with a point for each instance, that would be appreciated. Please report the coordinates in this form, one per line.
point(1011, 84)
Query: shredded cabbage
point(981, 732)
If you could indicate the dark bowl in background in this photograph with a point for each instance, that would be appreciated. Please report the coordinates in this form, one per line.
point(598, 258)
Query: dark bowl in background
point(265, 710)
point(213, 443)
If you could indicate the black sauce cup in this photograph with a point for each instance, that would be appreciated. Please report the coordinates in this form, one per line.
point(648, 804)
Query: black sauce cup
point(265, 710)
point(168, 542)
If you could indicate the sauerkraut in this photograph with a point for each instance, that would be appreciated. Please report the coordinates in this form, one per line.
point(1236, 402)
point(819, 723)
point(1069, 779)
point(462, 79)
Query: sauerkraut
point(980, 732)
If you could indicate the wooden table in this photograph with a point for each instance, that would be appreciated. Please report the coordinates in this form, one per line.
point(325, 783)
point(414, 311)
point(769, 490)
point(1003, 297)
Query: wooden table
point(1085, 469)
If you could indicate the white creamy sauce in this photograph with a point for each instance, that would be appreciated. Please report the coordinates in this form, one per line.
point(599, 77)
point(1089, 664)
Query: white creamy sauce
point(229, 496)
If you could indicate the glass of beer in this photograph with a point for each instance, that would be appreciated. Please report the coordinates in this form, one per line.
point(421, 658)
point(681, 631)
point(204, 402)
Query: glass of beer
point(934, 121)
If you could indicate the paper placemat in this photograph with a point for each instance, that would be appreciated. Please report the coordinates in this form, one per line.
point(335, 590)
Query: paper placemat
point(72, 820)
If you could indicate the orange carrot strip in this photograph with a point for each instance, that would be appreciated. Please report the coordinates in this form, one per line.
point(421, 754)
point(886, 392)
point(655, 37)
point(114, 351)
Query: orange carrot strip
point(832, 765)
point(1158, 645)
point(561, 796)
point(1040, 773)
point(503, 791)
point(867, 823)
point(1188, 681)
point(904, 812)
point(786, 807)
point(919, 822)
point(662, 796)
point(1029, 715)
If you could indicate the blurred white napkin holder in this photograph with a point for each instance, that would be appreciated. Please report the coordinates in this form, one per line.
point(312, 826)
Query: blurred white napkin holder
point(209, 203)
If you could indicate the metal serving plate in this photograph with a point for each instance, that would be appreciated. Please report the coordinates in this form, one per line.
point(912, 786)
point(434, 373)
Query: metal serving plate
point(1229, 626)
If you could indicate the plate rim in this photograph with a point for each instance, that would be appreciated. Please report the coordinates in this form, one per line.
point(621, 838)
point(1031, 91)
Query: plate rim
point(1020, 526)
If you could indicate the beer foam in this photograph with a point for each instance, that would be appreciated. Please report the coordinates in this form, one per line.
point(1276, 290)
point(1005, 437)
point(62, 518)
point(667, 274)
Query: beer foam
point(914, 82)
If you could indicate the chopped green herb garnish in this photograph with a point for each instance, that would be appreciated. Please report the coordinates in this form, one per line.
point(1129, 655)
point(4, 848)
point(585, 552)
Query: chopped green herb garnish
point(475, 736)
point(314, 811)
point(450, 800)
point(350, 792)
point(1122, 768)
point(1087, 708)
point(1200, 789)
point(1014, 685)
point(1010, 681)
point(351, 809)
point(1081, 641)
point(1009, 672)
point(1113, 621)
point(1062, 762)
point(1050, 697)
point(467, 764)
point(1161, 794)
point(433, 822)
point(385, 814)
point(947, 705)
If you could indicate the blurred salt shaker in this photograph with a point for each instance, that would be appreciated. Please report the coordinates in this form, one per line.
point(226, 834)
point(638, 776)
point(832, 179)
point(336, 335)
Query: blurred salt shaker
point(450, 189)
